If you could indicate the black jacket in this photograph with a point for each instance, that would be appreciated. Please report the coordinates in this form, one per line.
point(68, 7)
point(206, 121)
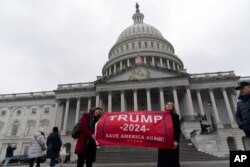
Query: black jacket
point(176, 126)
point(54, 144)
point(9, 151)
point(243, 112)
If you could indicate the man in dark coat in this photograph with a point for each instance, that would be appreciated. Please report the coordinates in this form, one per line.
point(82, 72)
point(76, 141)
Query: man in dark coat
point(9, 154)
point(86, 146)
point(243, 108)
point(54, 144)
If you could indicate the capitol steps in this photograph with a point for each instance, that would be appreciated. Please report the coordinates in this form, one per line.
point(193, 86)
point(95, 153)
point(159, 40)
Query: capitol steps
point(136, 154)
point(219, 142)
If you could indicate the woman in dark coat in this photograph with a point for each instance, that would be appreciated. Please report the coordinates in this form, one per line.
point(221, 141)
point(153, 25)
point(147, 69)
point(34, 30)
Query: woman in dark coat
point(54, 144)
point(170, 157)
point(86, 146)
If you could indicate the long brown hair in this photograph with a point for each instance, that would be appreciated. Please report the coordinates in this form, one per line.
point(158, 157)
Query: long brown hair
point(173, 110)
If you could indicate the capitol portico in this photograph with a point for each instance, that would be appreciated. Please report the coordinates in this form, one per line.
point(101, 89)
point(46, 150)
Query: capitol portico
point(142, 73)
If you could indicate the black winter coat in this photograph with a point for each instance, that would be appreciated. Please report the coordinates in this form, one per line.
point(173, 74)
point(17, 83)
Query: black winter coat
point(54, 144)
point(171, 157)
point(243, 112)
point(9, 151)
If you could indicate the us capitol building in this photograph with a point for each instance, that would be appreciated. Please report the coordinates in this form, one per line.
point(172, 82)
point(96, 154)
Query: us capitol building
point(142, 73)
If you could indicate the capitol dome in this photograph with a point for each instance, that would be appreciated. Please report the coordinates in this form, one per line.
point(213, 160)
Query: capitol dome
point(139, 29)
point(144, 40)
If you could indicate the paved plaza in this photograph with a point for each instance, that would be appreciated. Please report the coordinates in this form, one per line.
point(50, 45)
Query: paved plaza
point(224, 163)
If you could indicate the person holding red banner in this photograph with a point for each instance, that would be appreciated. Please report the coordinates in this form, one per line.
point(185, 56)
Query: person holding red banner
point(86, 145)
point(170, 157)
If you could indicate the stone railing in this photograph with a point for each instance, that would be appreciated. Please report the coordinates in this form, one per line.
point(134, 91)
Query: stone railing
point(215, 74)
point(190, 118)
point(246, 78)
point(76, 85)
point(27, 95)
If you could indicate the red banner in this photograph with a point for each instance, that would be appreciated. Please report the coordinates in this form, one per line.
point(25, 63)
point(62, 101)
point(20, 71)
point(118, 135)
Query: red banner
point(141, 129)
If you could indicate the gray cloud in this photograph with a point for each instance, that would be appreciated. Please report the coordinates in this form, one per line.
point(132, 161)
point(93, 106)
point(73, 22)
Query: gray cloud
point(44, 43)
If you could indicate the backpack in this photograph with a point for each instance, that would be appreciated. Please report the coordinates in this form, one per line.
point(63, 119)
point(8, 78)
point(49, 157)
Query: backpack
point(76, 131)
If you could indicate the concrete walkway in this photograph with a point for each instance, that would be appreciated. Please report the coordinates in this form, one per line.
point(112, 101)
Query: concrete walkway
point(223, 163)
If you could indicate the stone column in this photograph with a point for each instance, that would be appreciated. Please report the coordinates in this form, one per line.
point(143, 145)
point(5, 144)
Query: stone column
point(161, 63)
point(189, 102)
point(162, 102)
point(149, 106)
point(128, 62)
point(101, 103)
point(9, 122)
point(114, 68)
point(153, 61)
point(110, 72)
point(122, 101)
point(65, 118)
point(110, 102)
point(174, 68)
point(229, 111)
point(97, 101)
point(61, 109)
point(200, 102)
point(168, 64)
point(216, 114)
point(177, 66)
point(145, 60)
point(135, 100)
point(120, 65)
point(176, 102)
point(55, 114)
point(89, 104)
point(78, 104)
point(234, 100)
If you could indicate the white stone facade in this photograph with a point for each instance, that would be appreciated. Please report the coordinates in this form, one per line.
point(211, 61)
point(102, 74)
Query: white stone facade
point(128, 84)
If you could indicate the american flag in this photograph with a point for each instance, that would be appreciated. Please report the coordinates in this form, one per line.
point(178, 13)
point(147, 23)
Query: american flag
point(138, 59)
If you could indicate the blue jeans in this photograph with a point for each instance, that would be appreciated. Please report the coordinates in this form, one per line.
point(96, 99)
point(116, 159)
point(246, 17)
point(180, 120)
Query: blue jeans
point(7, 159)
point(52, 162)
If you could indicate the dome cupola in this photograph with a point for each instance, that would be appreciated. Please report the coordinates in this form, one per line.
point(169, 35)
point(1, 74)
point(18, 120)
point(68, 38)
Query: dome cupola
point(144, 40)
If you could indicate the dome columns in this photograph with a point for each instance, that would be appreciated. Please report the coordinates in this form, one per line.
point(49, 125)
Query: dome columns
point(149, 60)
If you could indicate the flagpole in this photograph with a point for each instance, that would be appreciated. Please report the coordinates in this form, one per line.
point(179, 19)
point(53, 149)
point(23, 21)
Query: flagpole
point(138, 57)
point(137, 45)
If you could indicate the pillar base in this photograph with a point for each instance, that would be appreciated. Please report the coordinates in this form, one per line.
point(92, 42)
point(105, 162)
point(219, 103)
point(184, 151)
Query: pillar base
point(63, 132)
point(234, 125)
point(219, 125)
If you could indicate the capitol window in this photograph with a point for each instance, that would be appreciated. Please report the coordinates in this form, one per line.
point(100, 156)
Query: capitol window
point(3, 113)
point(133, 45)
point(18, 112)
point(44, 124)
point(33, 111)
point(15, 127)
point(146, 45)
point(31, 127)
point(152, 44)
point(46, 110)
point(139, 44)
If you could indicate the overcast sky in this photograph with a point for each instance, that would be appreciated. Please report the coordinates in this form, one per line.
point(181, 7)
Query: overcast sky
point(44, 43)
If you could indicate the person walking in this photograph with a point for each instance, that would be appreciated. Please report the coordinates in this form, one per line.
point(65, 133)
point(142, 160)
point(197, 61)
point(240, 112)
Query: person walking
point(54, 144)
point(170, 157)
point(37, 148)
point(242, 114)
point(86, 146)
point(9, 154)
